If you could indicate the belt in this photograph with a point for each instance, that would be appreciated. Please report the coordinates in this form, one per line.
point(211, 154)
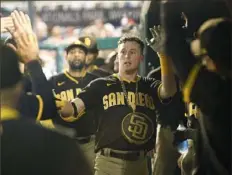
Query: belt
point(124, 155)
point(84, 140)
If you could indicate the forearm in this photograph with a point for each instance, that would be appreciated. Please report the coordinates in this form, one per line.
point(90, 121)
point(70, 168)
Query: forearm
point(36, 74)
point(42, 87)
point(72, 111)
point(168, 87)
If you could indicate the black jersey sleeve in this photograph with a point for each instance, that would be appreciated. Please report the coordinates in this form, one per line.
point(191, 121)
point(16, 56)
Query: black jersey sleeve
point(31, 106)
point(155, 85)
point(40, 86)
point(210, 92)
point(91, 94)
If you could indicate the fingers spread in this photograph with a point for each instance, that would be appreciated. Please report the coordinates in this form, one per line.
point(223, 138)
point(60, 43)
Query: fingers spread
point(153, 32)
point(147, 41)
point(23, 17)
point(16, 21)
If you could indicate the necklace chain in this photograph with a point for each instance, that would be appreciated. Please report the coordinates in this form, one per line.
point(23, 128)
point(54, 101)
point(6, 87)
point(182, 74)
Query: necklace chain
point(133, 107)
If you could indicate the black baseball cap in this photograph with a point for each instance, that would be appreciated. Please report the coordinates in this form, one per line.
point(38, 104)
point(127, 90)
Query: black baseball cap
point(90, 42)
point(10, 73)
point(78, 43)
point(215, 41)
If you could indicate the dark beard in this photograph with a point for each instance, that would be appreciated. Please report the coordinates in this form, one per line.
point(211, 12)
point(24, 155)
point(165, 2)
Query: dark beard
point(75, 67)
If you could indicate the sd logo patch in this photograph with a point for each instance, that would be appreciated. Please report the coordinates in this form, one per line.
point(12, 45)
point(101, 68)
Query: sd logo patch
point(137, 128)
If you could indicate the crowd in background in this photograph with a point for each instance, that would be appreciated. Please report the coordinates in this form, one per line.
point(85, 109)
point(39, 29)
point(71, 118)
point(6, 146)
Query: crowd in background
point(56, 35)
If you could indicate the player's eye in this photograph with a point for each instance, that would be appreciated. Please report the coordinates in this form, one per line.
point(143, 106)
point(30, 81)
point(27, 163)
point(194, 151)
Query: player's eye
point(123, 52)
point(81, 51)
point(72, 51)
point(132, 52)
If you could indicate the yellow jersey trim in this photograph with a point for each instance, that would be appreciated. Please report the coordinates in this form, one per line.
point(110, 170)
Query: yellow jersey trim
point(41, 106)
point(91, 68)
point(8, 113)
point(128, 81)
point(83, 73)
point(163, 63)
point(47, 123)
point(187, 90)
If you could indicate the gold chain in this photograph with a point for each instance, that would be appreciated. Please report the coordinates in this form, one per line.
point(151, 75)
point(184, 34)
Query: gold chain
point(133, 107)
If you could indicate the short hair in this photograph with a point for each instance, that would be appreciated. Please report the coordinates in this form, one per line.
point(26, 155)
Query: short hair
point(131, 37)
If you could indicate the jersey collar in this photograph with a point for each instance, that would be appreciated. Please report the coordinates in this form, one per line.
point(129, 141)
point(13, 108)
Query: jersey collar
point(128, 81)
point(91, 68)
point(70, 77)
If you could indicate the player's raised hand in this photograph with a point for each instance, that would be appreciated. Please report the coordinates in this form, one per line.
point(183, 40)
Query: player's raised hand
point(25, 38)
point(157, 40)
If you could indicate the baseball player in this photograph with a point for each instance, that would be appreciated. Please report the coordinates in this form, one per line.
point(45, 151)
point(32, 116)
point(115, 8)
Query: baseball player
point(127, 105)
point(67, 86)
point(92, 54)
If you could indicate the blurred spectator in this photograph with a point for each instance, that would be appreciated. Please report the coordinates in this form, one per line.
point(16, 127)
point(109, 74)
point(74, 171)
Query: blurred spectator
point(98, 29)
point(110, 30)
point(56, 36)
point(41, 28)
point(69, 35)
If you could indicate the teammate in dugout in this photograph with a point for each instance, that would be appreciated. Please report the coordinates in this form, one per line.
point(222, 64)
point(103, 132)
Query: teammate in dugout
point(26, 147)
point(67, 86)
point(92, 54)
point(127, 104)
point(92, 57)
point(23, 41)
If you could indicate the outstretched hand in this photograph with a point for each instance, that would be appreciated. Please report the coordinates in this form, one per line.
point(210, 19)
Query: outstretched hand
point(157, 40)
point(24, 37)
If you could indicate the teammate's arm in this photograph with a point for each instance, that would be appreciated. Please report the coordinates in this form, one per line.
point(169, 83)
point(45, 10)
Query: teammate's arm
point(72, 111)
point(168, 87)
point(28, 51)
point(87, 99)
point(41, 86)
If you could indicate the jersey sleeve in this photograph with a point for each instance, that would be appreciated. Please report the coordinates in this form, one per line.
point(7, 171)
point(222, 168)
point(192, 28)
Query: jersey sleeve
point(41, 87)
point(155, 86)
point(91, 94)
point(31, 106)
point(209, 91)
